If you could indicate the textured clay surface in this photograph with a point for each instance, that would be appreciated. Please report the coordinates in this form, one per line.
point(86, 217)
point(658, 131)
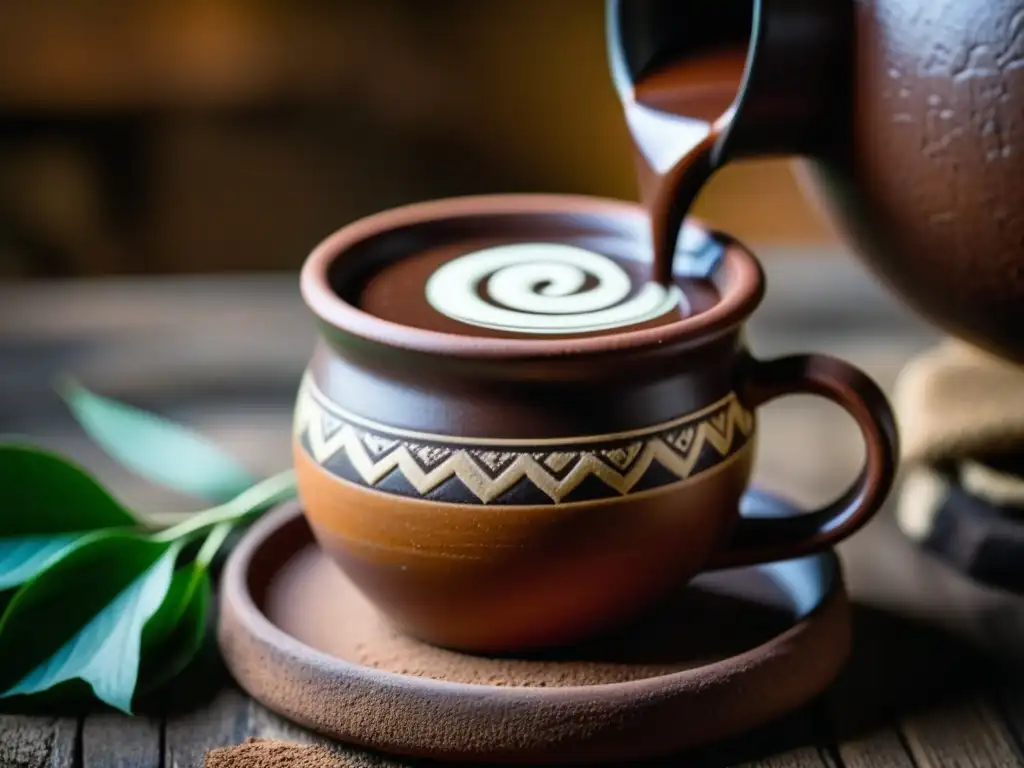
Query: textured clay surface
point(654, 697)
point(313, 601)
point(933, 184)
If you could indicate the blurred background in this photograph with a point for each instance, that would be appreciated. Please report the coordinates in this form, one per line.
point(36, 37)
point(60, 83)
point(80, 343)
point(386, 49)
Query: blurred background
point(195, 136)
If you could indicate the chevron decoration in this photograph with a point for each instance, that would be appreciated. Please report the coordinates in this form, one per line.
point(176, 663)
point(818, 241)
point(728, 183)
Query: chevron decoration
point(558, 471)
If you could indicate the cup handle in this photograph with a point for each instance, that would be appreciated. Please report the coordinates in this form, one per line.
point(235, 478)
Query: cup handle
point(758, 540)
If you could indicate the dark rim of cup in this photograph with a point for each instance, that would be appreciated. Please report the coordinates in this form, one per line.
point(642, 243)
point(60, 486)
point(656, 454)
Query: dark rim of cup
point(738, 279)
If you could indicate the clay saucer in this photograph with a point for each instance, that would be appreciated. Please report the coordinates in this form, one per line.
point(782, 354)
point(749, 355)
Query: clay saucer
point(733, 650)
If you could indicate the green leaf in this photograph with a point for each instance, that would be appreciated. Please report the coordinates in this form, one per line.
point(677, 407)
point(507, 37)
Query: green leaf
point(49, 613)
point(47, 494)
point(165, 655)
point(157, 449)
point(165, 619)
point(106, 652)
point(49, 504)
point(22, 557)
point(174, 634)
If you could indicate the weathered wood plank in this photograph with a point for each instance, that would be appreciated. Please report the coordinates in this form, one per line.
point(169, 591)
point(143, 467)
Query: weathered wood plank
point(1009, 698)
point(222, 722)
point(803, 757)
point(900, 701)
point(884, 748)
point(898, 665)
point(966, 734)
point(796, 741)
point(116, 741)
point(792, 741)
point(38, 742)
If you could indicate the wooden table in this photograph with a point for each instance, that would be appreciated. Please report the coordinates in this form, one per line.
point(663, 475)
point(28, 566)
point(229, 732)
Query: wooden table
point(935, 675)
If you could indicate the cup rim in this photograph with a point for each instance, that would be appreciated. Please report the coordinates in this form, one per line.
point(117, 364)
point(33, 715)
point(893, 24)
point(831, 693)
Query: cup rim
point(740, 284)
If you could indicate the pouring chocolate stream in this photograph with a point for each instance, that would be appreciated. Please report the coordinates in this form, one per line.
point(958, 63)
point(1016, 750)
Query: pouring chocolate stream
point(675, 115)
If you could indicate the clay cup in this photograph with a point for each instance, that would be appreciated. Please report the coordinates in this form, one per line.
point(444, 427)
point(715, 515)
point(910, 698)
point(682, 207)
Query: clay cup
point(507, 492)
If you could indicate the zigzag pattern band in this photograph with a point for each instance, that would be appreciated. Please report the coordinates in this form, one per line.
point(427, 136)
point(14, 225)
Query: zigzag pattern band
point(559, 471)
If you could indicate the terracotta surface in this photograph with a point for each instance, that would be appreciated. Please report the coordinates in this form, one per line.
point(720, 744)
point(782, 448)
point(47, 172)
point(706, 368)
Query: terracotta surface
point(503, 493)
point(909, 111)
point(472, 576)
point(734, 650)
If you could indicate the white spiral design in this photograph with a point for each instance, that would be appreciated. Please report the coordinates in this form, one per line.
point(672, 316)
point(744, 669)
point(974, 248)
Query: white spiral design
point(543, 288)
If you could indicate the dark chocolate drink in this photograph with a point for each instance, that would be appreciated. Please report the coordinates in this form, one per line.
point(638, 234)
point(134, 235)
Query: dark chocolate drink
point(675, 116)
point(528, 289)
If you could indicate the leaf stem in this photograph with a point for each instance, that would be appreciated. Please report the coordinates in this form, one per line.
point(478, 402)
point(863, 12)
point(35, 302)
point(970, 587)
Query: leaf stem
point(214, 539)
point(251, 502)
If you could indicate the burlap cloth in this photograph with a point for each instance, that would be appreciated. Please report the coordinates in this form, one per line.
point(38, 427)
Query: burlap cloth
point(961, 418)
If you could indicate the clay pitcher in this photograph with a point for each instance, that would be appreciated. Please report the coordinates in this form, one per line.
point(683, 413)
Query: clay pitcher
point(910, 114)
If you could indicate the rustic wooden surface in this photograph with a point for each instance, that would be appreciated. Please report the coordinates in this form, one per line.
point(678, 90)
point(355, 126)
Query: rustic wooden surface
point(935, 678)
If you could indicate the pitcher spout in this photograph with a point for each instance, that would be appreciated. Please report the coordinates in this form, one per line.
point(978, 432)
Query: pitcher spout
point(791, 89)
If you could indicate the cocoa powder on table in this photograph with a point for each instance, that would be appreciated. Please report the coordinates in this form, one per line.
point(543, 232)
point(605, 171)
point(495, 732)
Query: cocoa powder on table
point(274, 753)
